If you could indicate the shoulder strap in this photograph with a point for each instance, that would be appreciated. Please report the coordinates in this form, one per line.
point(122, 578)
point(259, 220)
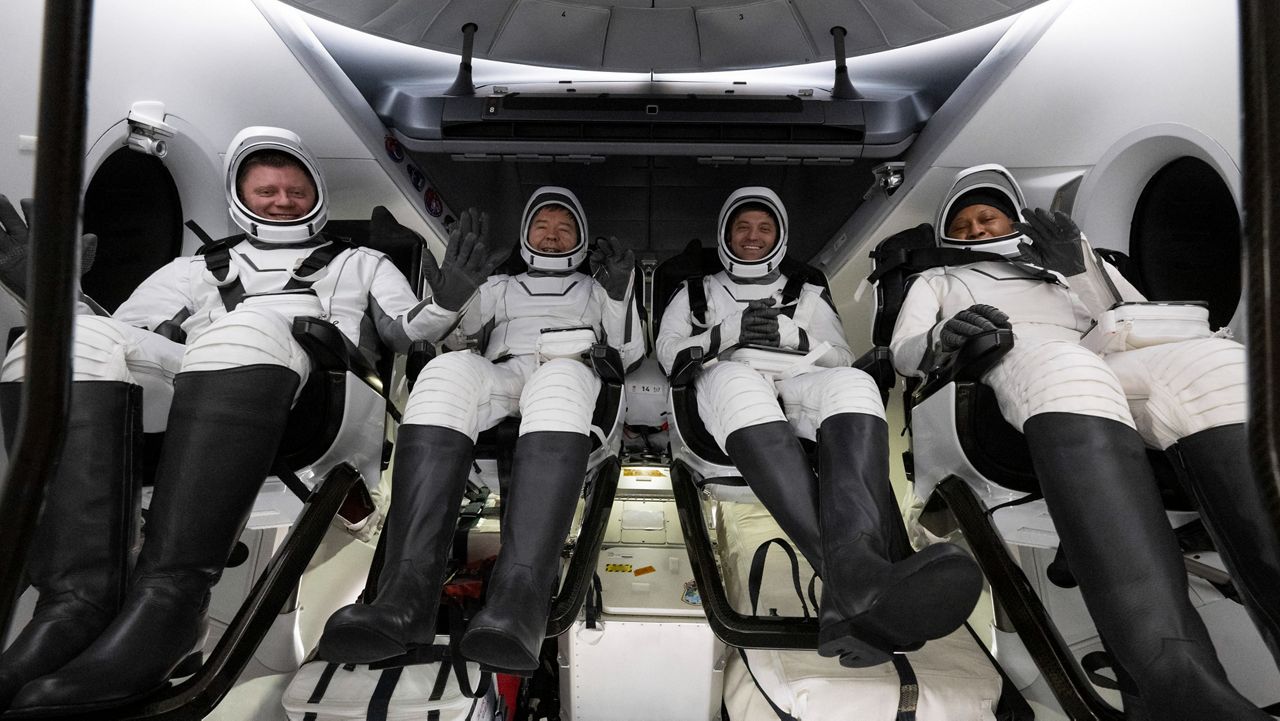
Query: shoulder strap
point(316, 262)
point(217, 258)
point(697, 303)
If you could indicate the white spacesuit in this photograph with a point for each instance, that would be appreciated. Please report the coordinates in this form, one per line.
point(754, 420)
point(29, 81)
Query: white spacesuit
point(877, 597)
point(532, 330)
point(222, 397)
point(1082, 411)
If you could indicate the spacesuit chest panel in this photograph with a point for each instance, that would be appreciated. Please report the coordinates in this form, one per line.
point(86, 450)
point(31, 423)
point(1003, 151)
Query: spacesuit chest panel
point(1034, 306)
point(527, 304)
point(342, 286)
point(726, 297)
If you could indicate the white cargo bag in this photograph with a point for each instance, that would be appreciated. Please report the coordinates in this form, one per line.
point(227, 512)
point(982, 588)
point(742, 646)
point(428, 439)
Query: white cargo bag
point(323, 691)
point(954, 680)
point(1127, 326)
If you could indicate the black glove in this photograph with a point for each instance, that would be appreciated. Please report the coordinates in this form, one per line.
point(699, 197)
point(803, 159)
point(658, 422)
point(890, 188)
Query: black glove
point(611, 266)
point(467, 262)
point(760, 323)
point(15, 234)
point(972, 321)
point(1055, 241)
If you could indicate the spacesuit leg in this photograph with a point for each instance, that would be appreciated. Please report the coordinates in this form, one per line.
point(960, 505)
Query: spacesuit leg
point(453, 397)
point(1190, 399)
point(546, 477)
point(1102, 496)
point(79, 557)
point(877, 594)
point(231, 401)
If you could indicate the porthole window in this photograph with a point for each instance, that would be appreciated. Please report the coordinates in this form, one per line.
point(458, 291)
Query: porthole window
point(132, 205)
point(1185, 238)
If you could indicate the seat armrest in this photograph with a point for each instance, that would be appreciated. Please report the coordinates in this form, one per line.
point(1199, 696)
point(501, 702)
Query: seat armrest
point(970, 362)
point(607, 363)
point(330, 350)
point(687, 366)
point(878, 363)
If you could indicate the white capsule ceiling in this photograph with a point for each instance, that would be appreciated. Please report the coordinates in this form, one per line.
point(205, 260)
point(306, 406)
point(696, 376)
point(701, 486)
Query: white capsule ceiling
point(662, 35)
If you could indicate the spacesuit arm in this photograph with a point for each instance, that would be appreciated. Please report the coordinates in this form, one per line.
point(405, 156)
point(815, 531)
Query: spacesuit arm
point(916, 332)
point(815, 322)
point(1101, 286)
point(621, 323)
point(477, 317)
point(678, 332)
point(164, 296)
point(399, 316)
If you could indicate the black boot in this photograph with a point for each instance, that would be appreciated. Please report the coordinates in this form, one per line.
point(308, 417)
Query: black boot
point(1103, 499)
point(80, 555)
point(877, 596)
point(546, 478)
point(427, 485)
point(884, 593)
point(224, 429)
point(1215, 466)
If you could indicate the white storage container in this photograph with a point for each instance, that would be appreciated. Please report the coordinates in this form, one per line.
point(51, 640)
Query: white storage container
point(651, 655)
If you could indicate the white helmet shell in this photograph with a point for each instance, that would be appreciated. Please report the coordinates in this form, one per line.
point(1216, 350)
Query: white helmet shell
point(991, 178)
point(553, 262)
point(734, 265)
point(258, 138)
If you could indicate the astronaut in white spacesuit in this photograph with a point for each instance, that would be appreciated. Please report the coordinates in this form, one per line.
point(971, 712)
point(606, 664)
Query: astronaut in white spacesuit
point(222, 398)
point(877, 596)
point(1088, 419)
point(531, 330)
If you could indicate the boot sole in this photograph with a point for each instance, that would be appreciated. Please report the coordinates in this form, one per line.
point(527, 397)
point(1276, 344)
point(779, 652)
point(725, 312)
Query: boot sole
point(906, 614)
point(188, 666)
point(358, 645)
point(498, 652)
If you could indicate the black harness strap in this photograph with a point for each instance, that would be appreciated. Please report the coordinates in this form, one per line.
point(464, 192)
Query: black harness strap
point(908, 684)
point(217, 258)
point(380, 700)
point(756, 577)
point(888, 260)
point(322, 685)
point(782, 715)
point(316, 262)
point(594, 602)
point(697, 304)
point(205, 238)
point(908, 688)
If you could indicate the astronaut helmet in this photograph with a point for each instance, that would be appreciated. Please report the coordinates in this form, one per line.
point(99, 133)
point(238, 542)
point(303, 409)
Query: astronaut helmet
point(752, 198)
point(991, 185)
point(546, 261)
point(279, 149)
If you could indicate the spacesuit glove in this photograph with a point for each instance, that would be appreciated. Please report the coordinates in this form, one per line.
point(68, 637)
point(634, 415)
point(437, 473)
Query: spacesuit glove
point(611, 266)
point(974, 320)
point(1055, 241)
point(466, 264)
point(15, 235)
point(760, 323)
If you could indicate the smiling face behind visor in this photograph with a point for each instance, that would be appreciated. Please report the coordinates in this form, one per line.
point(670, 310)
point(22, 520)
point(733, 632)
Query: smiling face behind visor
point(980, 210)
point(275, 192)
point(553, 231)
point(748, 219)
